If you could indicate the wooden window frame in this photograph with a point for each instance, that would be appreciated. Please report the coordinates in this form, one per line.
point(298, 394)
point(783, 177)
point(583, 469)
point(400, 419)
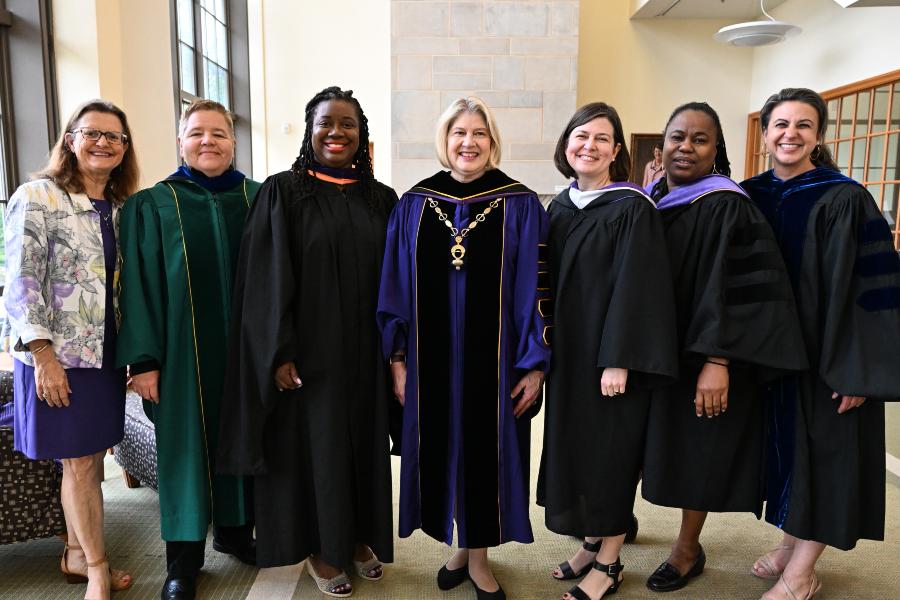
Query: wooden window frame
point(757, 160)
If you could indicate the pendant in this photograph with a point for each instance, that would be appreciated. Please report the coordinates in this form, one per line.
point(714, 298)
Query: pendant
point(457, 251)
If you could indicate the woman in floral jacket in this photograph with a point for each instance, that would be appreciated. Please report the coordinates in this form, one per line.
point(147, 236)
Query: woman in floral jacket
point(62, 269)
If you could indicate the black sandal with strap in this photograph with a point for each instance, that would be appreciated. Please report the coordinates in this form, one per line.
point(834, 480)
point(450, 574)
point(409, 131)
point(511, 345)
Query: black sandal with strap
point(566, 569)
point(612, 571)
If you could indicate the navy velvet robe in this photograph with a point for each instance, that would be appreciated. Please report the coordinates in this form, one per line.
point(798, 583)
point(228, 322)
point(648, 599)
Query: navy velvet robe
point(826, 471)
point(469, 336)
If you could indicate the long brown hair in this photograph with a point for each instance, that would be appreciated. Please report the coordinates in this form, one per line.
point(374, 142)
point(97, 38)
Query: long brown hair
point(62, 168)
point(811, 98)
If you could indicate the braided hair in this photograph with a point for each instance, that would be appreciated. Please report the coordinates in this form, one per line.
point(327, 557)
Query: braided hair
point(362, 160)
point(722, 165)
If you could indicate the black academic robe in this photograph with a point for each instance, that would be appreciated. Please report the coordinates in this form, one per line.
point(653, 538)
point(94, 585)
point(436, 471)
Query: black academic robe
point(733, 300)
point(826, 471)
point(306, 291)
point(613, 308)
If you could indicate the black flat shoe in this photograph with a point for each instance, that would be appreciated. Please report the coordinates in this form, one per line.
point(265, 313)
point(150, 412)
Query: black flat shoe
point(447, 579)
point(179, 588)
point(246, 553)
point(483, 595)
point(666, 578)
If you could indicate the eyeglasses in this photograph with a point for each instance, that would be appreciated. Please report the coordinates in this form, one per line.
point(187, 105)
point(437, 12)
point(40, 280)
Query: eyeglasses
point(113, 137)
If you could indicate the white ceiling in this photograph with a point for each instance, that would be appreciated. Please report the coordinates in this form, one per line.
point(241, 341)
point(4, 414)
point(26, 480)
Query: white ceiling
point(747, 10)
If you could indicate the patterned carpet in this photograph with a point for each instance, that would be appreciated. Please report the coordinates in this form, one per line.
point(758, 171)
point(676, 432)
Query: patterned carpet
point(30, 571)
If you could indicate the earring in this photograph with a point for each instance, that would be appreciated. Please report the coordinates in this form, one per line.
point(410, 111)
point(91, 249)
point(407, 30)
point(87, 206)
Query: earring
point(715, 170)
point(816, 154)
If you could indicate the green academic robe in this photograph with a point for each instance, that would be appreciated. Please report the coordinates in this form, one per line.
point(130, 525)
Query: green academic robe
point(179, 246)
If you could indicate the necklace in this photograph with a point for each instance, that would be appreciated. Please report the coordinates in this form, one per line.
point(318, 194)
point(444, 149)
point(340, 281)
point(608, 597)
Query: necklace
point(105, 217)
point(458, 251)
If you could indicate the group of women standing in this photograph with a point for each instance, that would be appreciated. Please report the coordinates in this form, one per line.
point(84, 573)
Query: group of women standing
point(726, 344)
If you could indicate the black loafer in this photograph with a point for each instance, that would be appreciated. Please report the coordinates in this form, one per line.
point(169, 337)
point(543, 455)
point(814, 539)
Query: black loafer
point(246, 553)
point(179, 588)
point(447, 579)
point(666, 578)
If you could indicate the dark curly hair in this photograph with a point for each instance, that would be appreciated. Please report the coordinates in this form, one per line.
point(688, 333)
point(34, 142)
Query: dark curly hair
point(620, 168)
point(807, 96)
point(362, 160)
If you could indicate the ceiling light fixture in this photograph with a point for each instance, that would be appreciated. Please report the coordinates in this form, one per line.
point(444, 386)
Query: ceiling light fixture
point(756, 33)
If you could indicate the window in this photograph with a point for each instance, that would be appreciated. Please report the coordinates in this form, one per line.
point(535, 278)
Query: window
point(863, 136)
point(211, 60)
point(202, 27)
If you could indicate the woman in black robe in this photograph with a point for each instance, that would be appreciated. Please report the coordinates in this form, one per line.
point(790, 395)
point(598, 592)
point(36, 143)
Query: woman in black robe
point(826, 427)
point(306, 401)
point(613, 338)
point(737, 327)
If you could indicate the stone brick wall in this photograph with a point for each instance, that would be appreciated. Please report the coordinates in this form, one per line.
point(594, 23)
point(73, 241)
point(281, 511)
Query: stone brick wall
point(520, 56)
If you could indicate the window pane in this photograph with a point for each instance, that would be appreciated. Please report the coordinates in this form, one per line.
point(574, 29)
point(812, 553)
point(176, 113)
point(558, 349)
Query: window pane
point(185, 18)
point(831, 132)
point(893, 158)
point(859, 159)
point(876, 158)
point(222, 45)
point(875, 190)
point(220, 10)
point(862, 113)
point(188, 82)
point(895, 108)
point(879, 112)
point(843, 157)
point(847, 107)
point(204, 29)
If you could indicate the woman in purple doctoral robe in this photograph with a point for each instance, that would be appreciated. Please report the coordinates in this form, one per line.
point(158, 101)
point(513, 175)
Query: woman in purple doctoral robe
point(464, 292)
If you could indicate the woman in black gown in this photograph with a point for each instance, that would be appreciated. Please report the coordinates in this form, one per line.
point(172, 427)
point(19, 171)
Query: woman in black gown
point(614, 338)
point(737, 327)
point(306, 402)
point(826, 426)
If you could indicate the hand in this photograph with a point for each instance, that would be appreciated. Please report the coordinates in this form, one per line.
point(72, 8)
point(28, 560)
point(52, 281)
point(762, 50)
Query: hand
point(398, 374)
point(530, 387)
point(50, 381)
point(712, 390)
point(612, 381)
point(147, 385)
point(286, 377)
point(848, 402)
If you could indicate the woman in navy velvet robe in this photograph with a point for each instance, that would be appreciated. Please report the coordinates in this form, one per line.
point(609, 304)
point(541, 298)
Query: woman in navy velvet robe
point(826, 427)
point(460, 311)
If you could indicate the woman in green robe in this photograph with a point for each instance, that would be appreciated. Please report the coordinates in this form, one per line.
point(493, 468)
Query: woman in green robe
point(180, 243)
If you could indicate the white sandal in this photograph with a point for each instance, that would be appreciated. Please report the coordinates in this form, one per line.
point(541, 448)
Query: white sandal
point(364, 567)
point(327, 586)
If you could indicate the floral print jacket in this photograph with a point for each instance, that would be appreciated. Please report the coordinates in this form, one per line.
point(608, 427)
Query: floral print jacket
point(55, 274)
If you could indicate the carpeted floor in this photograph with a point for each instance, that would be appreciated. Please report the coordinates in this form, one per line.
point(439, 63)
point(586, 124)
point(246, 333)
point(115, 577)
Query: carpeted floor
point(31, 571)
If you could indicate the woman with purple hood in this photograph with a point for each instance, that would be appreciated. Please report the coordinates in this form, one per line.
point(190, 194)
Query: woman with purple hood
point(737, 328)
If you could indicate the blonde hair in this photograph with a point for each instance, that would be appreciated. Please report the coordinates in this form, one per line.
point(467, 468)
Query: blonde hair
point(470, 104)
point(201, 105)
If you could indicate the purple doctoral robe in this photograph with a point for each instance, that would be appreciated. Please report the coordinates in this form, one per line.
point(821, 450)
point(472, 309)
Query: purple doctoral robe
point(469, 337)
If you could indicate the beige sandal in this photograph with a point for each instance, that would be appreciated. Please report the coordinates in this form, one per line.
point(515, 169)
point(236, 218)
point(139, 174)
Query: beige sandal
point(116, 577)
point(764, 568)
point(328, 586)
point(364, 567)
point(814, 588)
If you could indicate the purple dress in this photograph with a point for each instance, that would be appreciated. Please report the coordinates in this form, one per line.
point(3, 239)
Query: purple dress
point(95, 417)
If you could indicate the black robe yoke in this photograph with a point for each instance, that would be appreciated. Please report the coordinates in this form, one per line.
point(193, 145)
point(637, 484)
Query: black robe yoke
point(613, 308)
point(306, 292)
point(733, 300)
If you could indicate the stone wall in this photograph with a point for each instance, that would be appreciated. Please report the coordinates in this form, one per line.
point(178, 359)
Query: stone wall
point(520, 56)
